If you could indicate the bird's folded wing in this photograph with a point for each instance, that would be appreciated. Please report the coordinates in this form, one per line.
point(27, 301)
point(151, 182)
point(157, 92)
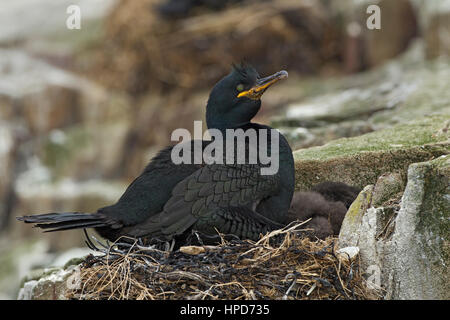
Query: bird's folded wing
point(210, 187)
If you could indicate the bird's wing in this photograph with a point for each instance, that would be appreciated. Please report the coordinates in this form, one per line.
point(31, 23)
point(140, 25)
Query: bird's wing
point(210, 187)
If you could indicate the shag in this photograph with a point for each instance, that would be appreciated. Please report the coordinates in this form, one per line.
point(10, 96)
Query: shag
point(168, 200)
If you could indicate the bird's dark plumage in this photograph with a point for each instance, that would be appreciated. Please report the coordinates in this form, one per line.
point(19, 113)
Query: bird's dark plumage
point(168, 199)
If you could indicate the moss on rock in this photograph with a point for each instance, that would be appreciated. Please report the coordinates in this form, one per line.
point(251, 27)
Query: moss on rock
point(359, 161)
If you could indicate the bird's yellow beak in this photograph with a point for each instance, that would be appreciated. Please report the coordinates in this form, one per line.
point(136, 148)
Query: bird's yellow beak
point(261, 85)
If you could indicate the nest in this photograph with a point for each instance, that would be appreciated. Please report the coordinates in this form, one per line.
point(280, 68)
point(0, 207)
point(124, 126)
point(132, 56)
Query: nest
point(283, 264)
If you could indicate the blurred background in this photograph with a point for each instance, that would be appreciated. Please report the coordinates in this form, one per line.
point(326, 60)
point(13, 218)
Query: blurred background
point(83, 110)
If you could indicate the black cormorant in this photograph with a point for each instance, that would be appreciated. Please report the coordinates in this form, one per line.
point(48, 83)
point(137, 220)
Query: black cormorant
point(169, 199)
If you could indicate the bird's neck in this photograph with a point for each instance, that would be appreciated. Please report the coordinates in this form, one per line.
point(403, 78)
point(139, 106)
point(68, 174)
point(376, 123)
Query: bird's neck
point(223, 125)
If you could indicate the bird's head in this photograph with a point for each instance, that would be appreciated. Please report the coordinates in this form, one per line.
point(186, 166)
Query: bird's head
point(235, 99)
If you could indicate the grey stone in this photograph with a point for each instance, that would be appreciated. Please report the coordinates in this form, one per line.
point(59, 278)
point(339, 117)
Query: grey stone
point(359, 161)
point(53, 284)
point(387, 186)
point(421, 240)
point(349, 233)
point(409, 248)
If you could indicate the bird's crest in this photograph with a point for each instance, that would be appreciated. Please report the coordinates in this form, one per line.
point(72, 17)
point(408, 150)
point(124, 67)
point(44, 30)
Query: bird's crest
point(246, 71)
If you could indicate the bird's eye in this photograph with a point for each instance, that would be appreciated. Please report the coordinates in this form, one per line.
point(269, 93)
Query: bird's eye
point(240, 87)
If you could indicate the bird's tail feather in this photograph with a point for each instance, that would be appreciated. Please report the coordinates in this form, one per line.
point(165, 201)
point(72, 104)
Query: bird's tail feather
point(65, 221)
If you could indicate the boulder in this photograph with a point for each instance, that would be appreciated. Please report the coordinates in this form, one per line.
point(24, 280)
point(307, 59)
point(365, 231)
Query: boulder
point(407, 246)
point(29, 259)
point(50, 284)
point(359, 161)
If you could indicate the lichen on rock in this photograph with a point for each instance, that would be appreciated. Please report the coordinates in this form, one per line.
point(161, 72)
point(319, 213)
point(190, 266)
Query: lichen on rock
point(50, 284)
point(413, 256)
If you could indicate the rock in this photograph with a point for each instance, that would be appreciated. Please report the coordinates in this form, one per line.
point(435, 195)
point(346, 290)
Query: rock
point(25, 259)
point(56, 282)
point(408, 248)
point(387, 186)
point(359, 161)
point(348, 253)
point(303, 137)
point(51, 284)
point(419, 269)
point(349, 235)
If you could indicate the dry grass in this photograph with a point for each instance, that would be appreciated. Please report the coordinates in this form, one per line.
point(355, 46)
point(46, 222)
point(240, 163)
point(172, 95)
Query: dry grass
point(281, 265)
